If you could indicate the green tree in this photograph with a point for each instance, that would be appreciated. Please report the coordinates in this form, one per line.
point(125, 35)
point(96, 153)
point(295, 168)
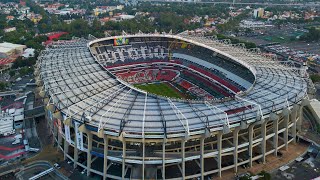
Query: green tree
point(312, 35)
point(265, 175)
point(12, 73)
point(3, 86)
point(315, 78)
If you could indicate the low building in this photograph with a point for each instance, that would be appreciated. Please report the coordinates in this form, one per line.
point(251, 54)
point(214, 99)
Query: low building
point(9, 53)
point(6, 63)
point(258, 13)
point(9, 29)
point(29, 52)
point(103, 21)
point(6, 124)
point(121, 17)
point(9, 49)
point(11, 118)
point(6, 52)
point(10, 18)
point(35, 18)
point(253, 24)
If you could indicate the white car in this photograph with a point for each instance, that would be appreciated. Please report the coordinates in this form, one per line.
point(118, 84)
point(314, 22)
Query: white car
point(56, 165)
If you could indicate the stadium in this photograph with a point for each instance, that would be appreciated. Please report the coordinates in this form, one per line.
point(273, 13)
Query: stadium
point(164, 106)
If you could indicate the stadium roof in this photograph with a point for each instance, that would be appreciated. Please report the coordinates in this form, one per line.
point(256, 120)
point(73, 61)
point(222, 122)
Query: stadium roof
point(83, 90)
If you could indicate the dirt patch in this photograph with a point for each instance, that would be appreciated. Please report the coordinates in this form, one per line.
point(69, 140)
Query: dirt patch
point(48, 153)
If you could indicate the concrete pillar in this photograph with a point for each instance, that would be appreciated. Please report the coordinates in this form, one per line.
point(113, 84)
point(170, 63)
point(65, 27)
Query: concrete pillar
point(299, 117)
point(65, 149)
point(293, 120)
point(48, 120)
point(286, 113)
point(263, 142)
point(163, 159)
point(183, 164)
point(75, 154)
point(219, 142)
point(235, 152)
point(105, 154)
point(250, 133)
point(55, 132)
point(59, 141)
point(201, 157)
point(143, 156)
point(89, 138)
point(275, 120)
point(124, 147)
point(52, 122)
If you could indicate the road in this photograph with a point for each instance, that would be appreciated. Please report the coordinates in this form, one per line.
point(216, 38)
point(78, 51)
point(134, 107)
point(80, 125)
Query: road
point(309, 134)
point(242, 3)
point(38, 167)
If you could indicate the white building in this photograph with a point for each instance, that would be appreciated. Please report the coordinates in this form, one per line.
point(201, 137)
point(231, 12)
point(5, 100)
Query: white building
point(253, 24)
point(29, 52)
point(6, 124)
point(10, 29)
point(126, 17)
point(12, 48)
point(10, 119)
point(258, 13)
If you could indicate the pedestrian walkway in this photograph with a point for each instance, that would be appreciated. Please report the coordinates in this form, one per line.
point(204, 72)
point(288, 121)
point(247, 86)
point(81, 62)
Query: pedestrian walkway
point(272, 162)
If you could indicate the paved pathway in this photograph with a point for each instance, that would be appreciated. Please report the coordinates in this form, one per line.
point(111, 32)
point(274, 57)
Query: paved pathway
point(272, 162)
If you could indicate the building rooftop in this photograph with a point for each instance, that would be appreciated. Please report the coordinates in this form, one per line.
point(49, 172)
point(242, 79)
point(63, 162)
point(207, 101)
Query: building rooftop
point(5, 50)
point(11, 45)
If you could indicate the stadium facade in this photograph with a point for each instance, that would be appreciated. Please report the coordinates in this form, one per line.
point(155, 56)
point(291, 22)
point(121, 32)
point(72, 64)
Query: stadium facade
point(239, 105)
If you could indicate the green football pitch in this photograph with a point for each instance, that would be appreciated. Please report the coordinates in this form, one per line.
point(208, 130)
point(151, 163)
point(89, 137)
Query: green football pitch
point(162, 89)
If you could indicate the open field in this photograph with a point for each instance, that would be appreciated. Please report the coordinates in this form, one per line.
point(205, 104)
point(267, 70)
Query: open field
point(162, 89)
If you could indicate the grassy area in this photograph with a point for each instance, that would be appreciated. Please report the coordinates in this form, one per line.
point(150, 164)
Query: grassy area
point(280, 39)
point(162, 89)
point(284, 38)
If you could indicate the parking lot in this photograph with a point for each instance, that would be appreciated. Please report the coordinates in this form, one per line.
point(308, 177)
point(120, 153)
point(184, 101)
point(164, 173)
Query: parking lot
point(299, 55)
point(10, 149)
point(306, 168)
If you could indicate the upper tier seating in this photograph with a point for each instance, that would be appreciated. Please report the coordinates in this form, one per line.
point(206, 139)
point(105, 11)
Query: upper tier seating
point(147, 75)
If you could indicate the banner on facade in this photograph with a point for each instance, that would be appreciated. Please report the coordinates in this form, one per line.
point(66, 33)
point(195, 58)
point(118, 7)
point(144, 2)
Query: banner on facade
point(50, 115)
point(66, 130)
point(59, 126)
point(79, 136)
point(67, 133)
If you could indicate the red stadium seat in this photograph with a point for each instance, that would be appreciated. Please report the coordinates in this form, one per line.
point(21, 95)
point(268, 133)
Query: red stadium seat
point(216, 78)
